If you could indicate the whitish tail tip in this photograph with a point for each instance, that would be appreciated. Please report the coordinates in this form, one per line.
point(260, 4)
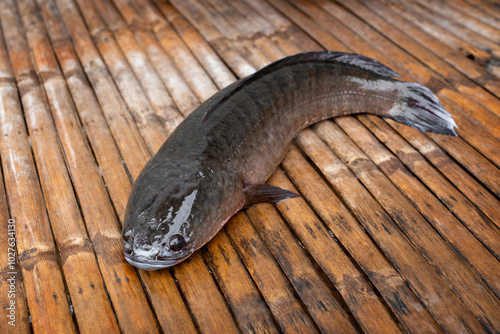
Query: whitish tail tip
point(420, 109)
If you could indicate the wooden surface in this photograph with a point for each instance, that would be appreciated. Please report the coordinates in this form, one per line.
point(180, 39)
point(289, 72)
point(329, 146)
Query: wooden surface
point(395, 231)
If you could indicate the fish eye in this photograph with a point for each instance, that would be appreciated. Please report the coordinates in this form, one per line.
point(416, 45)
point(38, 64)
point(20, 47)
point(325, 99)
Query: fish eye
point(177, 243)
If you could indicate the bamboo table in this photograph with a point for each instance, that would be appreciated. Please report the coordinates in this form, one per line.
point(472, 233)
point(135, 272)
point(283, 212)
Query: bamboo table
point(395, 231)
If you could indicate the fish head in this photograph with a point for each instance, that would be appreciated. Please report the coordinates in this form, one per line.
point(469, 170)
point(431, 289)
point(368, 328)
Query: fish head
point(159, 221)
point(170, 216)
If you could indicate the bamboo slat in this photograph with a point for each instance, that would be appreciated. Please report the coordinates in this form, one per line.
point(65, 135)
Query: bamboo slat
point(434, 211)
point(488, 101)
point(153, 88)
point(77, 254)
point(184, 98)
point(351, 283)
point(471, 44)
point(470, 22)
point(131, 91)
point(237, 286)
point(468, 8)
point(322, 305)
point(392, 240)
point(101, 137)
point(446, 165)
point(48, 305)
point(194, 74)
point(463, 64)
point(210, 34)
point(12, 287)
point(448, 265)
point(396, 231)
point(273, 285)
point(458, 203)
point(362, 248)
point(132, 147)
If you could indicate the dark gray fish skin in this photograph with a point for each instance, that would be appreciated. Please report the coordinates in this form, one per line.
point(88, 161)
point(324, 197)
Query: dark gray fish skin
point(216, 160)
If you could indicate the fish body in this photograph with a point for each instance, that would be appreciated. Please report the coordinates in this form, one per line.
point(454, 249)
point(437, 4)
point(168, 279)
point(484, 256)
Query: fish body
point(217, 160)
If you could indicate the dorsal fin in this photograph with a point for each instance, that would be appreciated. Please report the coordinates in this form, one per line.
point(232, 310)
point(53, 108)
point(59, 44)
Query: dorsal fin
point(327, 56)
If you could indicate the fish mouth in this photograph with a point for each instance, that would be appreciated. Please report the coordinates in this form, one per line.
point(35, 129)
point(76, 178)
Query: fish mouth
point(148, 264)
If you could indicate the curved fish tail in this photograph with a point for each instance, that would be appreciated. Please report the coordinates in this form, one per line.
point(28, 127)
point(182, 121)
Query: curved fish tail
point(419, 108)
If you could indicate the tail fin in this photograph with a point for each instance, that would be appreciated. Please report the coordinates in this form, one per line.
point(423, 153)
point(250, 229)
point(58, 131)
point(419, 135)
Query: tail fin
point(420, 109)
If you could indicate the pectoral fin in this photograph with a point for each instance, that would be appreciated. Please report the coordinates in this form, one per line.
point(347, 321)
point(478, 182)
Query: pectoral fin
point(265, 193)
